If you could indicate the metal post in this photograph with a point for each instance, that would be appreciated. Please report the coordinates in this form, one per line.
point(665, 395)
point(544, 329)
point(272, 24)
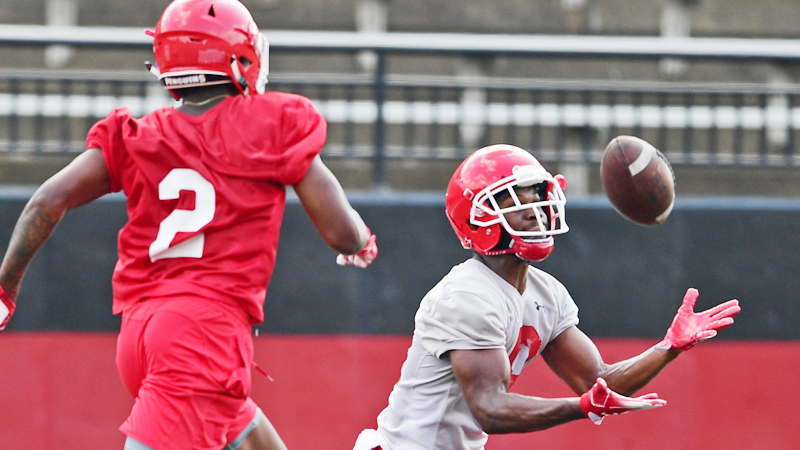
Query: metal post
point(713, 138)
point(13, 118)
point(790, 145)
point(380, 99)
point(762, 135)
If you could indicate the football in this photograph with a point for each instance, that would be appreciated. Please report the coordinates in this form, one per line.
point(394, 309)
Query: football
point(638, 180)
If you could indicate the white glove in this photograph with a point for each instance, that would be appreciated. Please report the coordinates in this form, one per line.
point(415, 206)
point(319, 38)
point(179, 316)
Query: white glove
point(363, 258)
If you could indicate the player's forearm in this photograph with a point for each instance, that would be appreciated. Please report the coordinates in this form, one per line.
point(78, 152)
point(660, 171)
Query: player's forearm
point(34, 227)
point(326, 204)
point(513, 413)
point(344, 231)
point(627, 377)
point(355, 241)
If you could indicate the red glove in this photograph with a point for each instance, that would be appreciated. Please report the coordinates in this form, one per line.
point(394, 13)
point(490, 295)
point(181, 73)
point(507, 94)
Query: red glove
point(600, 401)
point(363, 258)
point(688, 327)
point(7, 307)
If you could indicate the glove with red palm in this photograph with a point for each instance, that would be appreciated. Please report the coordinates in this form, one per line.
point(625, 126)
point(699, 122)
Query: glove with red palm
point(7, 308)
point(363, 258)
point(600, 401)
point(688, 327)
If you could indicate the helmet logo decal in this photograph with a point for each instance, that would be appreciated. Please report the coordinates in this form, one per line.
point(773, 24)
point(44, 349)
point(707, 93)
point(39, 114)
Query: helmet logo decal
point(210, 56)
point(468, 194)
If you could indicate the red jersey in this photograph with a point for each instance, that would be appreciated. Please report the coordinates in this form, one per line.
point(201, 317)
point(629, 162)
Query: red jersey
point(206, 195)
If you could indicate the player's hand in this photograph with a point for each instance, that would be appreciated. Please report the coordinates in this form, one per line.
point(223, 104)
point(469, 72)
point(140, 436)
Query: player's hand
point(7, 307)
point(600, 401)
point(363, 258)
point(688, 327)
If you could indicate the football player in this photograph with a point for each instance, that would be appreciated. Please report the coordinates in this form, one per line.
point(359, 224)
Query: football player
point(494, 313)
point(205, 187)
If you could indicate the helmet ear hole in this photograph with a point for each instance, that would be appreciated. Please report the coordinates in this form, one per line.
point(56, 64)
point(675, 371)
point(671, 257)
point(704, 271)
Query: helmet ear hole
point(211, 11)
point(245, 62)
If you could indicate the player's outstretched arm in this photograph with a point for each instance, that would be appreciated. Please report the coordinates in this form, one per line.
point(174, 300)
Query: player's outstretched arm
point(689, 328)
point(83, 180)
point(483, 376)
point(576, 360)
point(340, 226)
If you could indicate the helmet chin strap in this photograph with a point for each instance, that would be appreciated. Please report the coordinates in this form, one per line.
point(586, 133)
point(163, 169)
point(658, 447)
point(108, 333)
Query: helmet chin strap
point(529, 251)
point(505, 242)
point(238, 78)
point(533, 251)
point(152, 68)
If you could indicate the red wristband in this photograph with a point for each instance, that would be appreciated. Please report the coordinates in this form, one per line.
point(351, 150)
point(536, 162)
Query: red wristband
point(7, 307)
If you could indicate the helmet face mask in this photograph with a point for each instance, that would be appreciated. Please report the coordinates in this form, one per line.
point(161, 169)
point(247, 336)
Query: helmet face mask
point(478, 218)
point(207, 42)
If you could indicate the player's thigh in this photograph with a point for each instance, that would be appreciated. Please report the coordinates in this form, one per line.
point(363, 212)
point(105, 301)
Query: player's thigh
point(263, 437)
point(199, 345)
point(129, 355)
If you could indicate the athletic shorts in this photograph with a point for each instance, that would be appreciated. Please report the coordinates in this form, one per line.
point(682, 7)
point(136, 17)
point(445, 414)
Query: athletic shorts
point(187, 361)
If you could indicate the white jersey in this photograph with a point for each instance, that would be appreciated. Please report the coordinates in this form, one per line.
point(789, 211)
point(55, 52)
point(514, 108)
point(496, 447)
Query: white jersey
point(470, 308)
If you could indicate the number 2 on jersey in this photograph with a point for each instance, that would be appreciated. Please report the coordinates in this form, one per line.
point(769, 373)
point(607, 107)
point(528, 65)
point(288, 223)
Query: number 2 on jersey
point(183, 220)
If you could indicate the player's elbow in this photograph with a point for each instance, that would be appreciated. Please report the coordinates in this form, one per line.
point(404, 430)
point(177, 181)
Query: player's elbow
point(47, 202)
point(345, 240)
point(489, 426)
point(490, 423)
point(488, 417)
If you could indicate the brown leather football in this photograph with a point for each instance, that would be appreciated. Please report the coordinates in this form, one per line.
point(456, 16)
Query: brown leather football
point(638, 180)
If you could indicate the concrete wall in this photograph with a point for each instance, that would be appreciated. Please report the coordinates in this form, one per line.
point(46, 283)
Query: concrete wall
point(732, 18)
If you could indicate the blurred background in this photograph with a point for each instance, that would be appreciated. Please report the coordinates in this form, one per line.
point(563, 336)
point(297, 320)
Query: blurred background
point(409, 89)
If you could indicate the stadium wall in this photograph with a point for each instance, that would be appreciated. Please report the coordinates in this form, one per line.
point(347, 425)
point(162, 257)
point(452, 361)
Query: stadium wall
point(335, 337)
point(627, 279)
point(60, 390)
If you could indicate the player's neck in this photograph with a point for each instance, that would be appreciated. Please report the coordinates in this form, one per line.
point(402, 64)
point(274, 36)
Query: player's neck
point(199, 100)
point(508, 267)
point(197, 108)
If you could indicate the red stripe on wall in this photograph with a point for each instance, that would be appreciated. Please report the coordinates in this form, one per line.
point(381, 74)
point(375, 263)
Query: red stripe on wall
point(61, 390)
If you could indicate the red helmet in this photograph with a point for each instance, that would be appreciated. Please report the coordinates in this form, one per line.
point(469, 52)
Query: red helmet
point(476, 217)
point(205, 42)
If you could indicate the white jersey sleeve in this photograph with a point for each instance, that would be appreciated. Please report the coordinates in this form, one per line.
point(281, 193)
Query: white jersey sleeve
point(461, 321)
point(548, 305)
point(567, 310)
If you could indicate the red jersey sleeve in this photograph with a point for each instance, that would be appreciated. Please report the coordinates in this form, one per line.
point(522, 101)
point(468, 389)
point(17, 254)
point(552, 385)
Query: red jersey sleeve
point(304, 134)
point(107, 136)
